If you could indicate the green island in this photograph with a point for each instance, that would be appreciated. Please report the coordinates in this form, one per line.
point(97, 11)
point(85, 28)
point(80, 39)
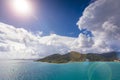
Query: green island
point(79, 57)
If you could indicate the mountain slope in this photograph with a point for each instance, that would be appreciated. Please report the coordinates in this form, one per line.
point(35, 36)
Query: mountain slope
point(78, 57)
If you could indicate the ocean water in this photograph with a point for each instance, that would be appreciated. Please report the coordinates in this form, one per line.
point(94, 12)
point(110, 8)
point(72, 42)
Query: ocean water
point(29, 70)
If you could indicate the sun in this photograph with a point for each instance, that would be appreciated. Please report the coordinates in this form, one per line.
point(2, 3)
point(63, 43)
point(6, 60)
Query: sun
point(21, 7)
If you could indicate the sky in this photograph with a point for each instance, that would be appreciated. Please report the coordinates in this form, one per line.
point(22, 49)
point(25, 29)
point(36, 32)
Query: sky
point(52, 16)
point(58, 26)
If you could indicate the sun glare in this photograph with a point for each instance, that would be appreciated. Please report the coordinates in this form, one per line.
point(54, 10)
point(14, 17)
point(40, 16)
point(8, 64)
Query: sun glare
point(21, 7)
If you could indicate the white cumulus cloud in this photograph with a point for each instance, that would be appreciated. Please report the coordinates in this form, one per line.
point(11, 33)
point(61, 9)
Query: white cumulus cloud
point(102, 18)
point(18, 43)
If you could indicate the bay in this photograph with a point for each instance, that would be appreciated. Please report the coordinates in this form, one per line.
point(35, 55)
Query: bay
point(29, 70)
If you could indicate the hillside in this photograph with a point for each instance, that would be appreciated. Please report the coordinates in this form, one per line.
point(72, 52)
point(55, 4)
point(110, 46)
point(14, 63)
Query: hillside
point(78, 57)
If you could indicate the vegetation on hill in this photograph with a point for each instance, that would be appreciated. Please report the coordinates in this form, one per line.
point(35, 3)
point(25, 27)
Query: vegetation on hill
point(78, 57)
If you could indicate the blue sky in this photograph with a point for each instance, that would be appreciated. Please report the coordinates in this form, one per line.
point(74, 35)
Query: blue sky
point(69, 20)
point(53, 16)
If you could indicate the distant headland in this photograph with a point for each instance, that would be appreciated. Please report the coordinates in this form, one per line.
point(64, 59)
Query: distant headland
point(79, 57)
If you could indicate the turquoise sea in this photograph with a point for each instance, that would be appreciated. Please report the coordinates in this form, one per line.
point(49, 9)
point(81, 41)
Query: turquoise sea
point(29, 70)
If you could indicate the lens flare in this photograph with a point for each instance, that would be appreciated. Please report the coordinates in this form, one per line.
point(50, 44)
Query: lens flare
point(100, 70)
